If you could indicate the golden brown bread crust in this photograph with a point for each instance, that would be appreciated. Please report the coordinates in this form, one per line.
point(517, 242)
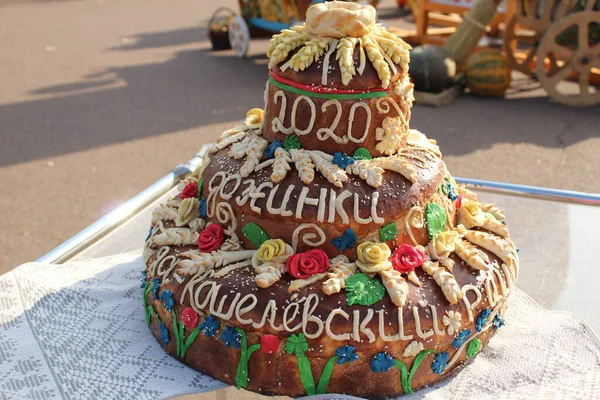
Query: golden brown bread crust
point(326, 113)
point(277, 374)
point(396, 196)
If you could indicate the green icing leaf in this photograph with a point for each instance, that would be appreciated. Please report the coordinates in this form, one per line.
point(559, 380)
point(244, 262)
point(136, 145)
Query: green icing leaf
point(326, 375)
point(255, 234)
point(291, 142)
point(296, 343)
point(362, 154)
point(360, 289)
point(473, 347)
point(200, 183)
point(388, 232)
point(489, 215)
point(445, 188)
point(436, 219)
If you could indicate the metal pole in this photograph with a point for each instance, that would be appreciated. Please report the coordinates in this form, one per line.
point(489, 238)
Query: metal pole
point(113, 219)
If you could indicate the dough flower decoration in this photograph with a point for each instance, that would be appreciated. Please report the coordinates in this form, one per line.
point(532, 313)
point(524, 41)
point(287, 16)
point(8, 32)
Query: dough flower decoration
point(303, 265)
point(269, 261)
point(164, 333)
point(231, 337)
point(470, 214)
point(211, 238)
point(407, 258)
point(383, 362)
point(452, 320)
point(269, 343)
point(254, 118)
point(346, 241)
point(461, 338)
point(187, 211)
point(373, 257)
point(442, 245)
point(440, 362)
point(210, 326)
point(167, 299)
point(498, 322)
point(189, 317)
point(482, 319)
point(297, 345)
point(190, 190)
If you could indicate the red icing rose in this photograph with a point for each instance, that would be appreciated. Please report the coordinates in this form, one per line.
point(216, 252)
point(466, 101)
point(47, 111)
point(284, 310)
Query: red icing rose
point(303, 265)
point(190, 190)
point(458, 202)
point(406, 258)
point(189, 317)
point(211, 238)
point(269, 343)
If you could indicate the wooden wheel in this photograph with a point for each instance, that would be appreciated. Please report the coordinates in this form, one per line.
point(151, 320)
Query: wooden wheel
point(576, 60)
point(239, 36)
point(513, 40)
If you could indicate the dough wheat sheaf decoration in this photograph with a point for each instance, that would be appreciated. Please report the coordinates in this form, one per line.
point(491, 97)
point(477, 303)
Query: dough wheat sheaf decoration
point(323, 239)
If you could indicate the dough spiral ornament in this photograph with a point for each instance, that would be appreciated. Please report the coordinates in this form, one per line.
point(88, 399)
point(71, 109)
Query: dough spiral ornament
point(340, 19)
point(308, 237)
point(226, 215)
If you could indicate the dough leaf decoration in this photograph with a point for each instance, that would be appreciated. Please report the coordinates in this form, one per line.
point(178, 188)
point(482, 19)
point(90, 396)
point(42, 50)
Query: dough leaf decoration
point(291, 142)
point(360, 289)
point(436, 219)
point(473, 347)
point(255, 234)
point(388, 232)
point(362, 154)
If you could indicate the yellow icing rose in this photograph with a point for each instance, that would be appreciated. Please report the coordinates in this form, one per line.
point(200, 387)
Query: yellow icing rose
point(442, 245)
point(470, 214)
point(254, 118)
point(270, 249)
point(187, 211)
point(373, 257)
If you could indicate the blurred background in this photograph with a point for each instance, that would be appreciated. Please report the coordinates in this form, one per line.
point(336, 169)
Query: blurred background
point(101, 98)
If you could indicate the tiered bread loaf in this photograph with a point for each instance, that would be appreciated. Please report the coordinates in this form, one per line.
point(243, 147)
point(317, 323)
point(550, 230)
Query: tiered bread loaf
point(323, 246)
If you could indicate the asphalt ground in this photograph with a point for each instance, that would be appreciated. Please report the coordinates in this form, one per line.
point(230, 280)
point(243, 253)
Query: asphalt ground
point(99, 99)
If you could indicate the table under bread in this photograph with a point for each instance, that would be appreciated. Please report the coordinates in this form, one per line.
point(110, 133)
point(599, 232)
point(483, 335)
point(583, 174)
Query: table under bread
point(72, 325)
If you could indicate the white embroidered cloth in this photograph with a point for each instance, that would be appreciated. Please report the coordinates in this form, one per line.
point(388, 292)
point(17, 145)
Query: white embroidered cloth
point(78, 331)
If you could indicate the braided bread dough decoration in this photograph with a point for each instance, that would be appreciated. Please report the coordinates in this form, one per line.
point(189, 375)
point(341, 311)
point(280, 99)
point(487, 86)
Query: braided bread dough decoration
point(340, 19)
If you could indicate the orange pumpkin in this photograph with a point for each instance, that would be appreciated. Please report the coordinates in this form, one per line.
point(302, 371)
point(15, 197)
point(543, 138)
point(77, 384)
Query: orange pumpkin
point(488, 73)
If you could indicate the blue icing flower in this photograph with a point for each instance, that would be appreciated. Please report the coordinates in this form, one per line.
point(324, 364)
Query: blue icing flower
point(498, 322)
point(143, 285)
point(149, 234)
point(231, 337)
point(270, 150)
point(382, 362)
point(342, 160)
point(482, 319)
point(347, 240)
point(209, 326)
point(440, 362)
point(155, 287)
point(460, 338)
point(203, 209)
point(164, 333)
point(167, 298)
point(346, 354)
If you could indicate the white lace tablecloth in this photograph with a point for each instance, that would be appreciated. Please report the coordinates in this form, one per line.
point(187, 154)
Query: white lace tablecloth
point(78, 331)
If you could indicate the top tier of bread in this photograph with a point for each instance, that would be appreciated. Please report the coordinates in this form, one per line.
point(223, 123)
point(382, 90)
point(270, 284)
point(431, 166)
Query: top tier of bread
point(334, 80)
